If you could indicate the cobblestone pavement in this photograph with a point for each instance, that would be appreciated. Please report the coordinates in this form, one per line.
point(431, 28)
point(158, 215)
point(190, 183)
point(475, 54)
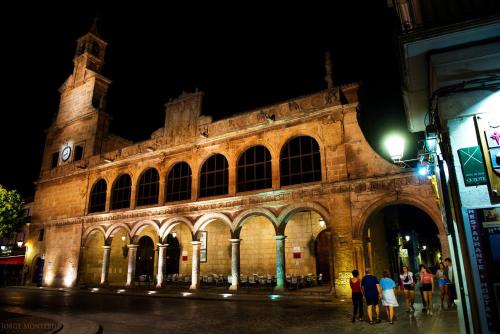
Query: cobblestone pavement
point(151, 314)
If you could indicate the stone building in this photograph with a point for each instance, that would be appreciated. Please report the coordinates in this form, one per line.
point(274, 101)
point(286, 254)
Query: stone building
point(282, 190)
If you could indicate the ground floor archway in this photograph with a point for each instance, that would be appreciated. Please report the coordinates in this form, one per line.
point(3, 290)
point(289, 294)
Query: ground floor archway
point(400, 234)
point(145, 258)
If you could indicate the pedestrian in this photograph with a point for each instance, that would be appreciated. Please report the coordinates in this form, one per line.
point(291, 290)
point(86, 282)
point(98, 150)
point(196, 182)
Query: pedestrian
point(357, 296)
point(408, 287)
point(450, 282)
point(427, 288)
point(372, 292)
point(388, 297)
point(419, 285)
point(442, 283)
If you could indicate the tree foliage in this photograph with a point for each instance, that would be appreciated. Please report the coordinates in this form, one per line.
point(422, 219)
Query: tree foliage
point(11, 211)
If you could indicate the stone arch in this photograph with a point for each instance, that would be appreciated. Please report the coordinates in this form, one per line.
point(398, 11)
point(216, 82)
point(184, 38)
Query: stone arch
point(239, 221)
point(90, 231)
point(204, 160)
point(385, 201)
point(290, 210)
point(110, 232)
point(168, 224)
point(138, 227)
point(315, 136)
point(209, 217)
point(247, 146)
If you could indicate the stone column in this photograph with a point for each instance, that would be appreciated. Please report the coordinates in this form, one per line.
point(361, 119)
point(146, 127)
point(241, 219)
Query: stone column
point(132, 252)
point(357, 248)
point(280, 262)
point(445, 246)
point(162, 251)
point(195, 272)
point(106, 251)
point(235, 263)
point(161, 192)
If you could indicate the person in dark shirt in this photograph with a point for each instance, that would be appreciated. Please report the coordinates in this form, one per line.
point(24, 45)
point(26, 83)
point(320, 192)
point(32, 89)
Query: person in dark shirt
point(372, 292)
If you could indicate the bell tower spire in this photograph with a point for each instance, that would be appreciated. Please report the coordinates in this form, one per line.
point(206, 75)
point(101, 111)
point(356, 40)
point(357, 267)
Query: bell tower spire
point(90, 51)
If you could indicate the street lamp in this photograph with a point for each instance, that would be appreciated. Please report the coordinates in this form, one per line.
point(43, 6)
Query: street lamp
point(407, 237)
point(20, 243)
point(395, 145)
point(424, 247)
point(2, 247)
point(321, 222)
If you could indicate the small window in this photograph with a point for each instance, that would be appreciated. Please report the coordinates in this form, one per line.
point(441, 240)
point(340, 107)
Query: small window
point(55, 160)
point(78, 152)
point(41, 234)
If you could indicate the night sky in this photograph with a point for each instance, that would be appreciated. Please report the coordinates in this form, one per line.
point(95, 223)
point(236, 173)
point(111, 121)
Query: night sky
point(242, 57)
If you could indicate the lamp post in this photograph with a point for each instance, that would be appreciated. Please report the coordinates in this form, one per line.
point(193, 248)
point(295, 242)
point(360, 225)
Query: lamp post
point(395, 145)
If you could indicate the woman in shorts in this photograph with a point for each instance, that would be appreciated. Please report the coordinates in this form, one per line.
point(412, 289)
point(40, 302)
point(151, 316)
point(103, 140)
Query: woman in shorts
point(441, 282)
point(427, 288)
point(408, 287)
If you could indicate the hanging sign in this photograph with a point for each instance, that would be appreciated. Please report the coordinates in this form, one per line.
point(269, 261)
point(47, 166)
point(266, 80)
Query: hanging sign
point(184, 255)
point(472, 163)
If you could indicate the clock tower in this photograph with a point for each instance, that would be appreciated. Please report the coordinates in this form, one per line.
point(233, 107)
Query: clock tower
point(82, 123)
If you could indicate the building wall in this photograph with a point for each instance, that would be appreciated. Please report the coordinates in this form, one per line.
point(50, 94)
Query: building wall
point(258, 247)
point(218, 250)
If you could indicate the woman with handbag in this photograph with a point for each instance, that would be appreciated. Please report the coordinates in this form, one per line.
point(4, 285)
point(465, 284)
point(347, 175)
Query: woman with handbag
point(408, 287)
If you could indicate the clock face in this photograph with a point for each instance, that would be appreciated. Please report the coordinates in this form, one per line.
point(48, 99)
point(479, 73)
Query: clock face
point(66, 153)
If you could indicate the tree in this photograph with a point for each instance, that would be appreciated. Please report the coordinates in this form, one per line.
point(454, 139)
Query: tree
point(11, 211)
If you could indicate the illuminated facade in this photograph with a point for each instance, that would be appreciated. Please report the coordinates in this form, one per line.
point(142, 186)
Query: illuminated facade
point(283, 190)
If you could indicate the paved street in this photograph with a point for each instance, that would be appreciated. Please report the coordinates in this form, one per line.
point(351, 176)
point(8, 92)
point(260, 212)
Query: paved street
point(148, 314)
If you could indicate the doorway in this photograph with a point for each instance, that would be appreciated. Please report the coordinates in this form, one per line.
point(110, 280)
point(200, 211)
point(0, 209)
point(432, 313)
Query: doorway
point(173, 255)
point(145, 259)
point(322, 250)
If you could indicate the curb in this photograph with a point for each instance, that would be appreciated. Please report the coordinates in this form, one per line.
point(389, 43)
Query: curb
point(223, 295)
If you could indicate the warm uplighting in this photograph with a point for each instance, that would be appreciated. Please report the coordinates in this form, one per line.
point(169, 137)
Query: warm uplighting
point(395, 145)
point(321, 222)
point(407, 237)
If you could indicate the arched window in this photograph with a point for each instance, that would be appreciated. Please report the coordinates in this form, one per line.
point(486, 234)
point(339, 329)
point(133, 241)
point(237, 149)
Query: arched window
point(147, 190)
point(98, 197)
point(214, 176)
point(254, 169)
point(120, 195)
point(178, 183)
point(300, 161)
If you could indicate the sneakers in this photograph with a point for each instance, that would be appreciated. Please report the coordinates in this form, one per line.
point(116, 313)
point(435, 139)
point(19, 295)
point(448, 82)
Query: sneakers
point(430, 312)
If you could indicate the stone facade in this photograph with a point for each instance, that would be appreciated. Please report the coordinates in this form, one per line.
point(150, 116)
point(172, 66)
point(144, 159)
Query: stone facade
point(355, 183)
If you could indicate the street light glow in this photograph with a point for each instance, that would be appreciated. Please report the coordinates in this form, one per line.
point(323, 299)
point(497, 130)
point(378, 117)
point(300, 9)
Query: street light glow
point(395, 145)
point(407, 237)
